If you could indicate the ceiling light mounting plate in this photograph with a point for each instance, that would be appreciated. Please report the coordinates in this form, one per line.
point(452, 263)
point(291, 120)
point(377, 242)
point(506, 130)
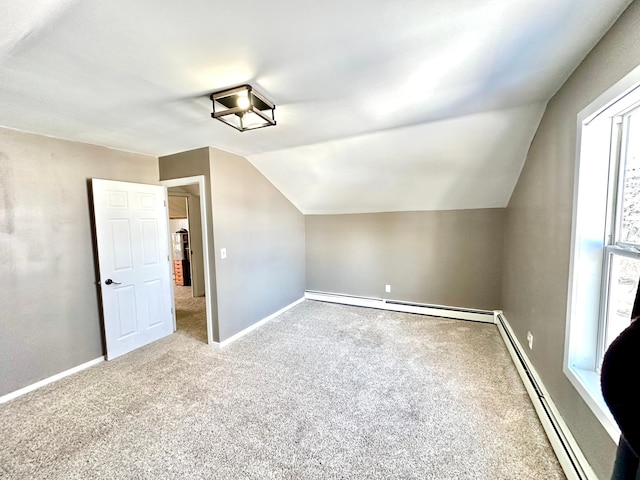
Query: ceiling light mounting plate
point(243, 108)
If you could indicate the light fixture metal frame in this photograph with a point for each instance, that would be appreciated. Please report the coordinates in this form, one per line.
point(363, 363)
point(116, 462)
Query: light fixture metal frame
point(264, 105)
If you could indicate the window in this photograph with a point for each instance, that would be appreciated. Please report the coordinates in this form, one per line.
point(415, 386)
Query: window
point(622, 261)
point(605, 256)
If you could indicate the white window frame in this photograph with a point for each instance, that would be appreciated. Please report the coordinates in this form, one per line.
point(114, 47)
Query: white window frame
point(614, 246)
point(590, 242)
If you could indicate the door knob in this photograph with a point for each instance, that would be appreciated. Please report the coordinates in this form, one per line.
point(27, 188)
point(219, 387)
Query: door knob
point(108, 281)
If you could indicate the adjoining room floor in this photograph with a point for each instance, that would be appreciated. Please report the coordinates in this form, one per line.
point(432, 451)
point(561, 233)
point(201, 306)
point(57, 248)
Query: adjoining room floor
point(191, 316)
point(322, 391)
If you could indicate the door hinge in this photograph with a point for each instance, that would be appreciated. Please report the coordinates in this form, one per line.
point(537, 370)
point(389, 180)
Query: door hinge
point(165, 204)
point(167, 258)
point(171, 310)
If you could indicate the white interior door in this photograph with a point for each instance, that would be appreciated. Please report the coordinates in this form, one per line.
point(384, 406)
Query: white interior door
point(133, 254)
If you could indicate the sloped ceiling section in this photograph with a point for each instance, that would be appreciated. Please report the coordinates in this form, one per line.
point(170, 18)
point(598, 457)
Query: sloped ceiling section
point(472, 161)
point(381, 105)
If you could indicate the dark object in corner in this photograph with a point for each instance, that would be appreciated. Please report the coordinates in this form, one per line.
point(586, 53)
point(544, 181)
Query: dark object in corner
point(621, 392)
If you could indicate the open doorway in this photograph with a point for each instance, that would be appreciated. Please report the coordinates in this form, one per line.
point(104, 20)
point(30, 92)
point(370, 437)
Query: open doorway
point(187, 261)
point(190, 262)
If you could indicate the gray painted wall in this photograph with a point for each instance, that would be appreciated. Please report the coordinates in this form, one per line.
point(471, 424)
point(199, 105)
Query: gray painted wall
point(49, 315)
point(538, 230)
point(261, 230)
point(264, 237)
point(444, 257)
point(191, 164)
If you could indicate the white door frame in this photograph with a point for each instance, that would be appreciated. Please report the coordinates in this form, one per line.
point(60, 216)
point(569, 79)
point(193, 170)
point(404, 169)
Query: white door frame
point(204, 209)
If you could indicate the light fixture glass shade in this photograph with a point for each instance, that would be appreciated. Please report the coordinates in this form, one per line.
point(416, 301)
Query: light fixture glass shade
point(243, 108)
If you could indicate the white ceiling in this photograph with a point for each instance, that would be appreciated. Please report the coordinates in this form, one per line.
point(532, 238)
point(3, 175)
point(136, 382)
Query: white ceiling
point(382, 105)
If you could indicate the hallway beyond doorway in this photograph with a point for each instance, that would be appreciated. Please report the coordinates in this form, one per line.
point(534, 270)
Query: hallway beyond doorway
point(191, 317)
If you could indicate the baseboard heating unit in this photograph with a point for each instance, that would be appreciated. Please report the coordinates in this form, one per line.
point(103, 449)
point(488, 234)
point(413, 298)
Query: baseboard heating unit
point(569, 455)
point(457, 313)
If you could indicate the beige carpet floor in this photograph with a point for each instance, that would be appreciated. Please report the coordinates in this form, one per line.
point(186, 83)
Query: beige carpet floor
point(322, 391)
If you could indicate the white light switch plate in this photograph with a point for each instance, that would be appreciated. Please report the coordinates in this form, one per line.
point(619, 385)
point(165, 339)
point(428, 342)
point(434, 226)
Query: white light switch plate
point(223, 253)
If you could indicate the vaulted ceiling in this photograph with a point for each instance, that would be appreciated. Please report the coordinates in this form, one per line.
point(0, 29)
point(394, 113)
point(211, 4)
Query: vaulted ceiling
point(382, 105)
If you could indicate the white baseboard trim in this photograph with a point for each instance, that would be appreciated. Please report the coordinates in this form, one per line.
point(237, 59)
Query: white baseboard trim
point(484, 316)
point(570, 456)
point(258, 324)
point(47, 381)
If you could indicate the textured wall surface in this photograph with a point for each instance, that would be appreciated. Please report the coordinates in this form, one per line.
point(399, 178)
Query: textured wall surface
point(451, 257)
point(49, 310)
point(538, 230)
point(263, 234)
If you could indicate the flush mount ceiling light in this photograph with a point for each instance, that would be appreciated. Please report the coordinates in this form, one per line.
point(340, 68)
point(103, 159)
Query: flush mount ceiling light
point(243, 108)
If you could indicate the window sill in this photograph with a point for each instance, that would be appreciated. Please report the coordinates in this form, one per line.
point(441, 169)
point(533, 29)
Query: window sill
point(587, 382)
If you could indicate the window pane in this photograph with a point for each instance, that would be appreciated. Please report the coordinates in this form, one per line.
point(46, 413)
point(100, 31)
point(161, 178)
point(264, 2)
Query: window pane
point(630, 228)
point(623, 284)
